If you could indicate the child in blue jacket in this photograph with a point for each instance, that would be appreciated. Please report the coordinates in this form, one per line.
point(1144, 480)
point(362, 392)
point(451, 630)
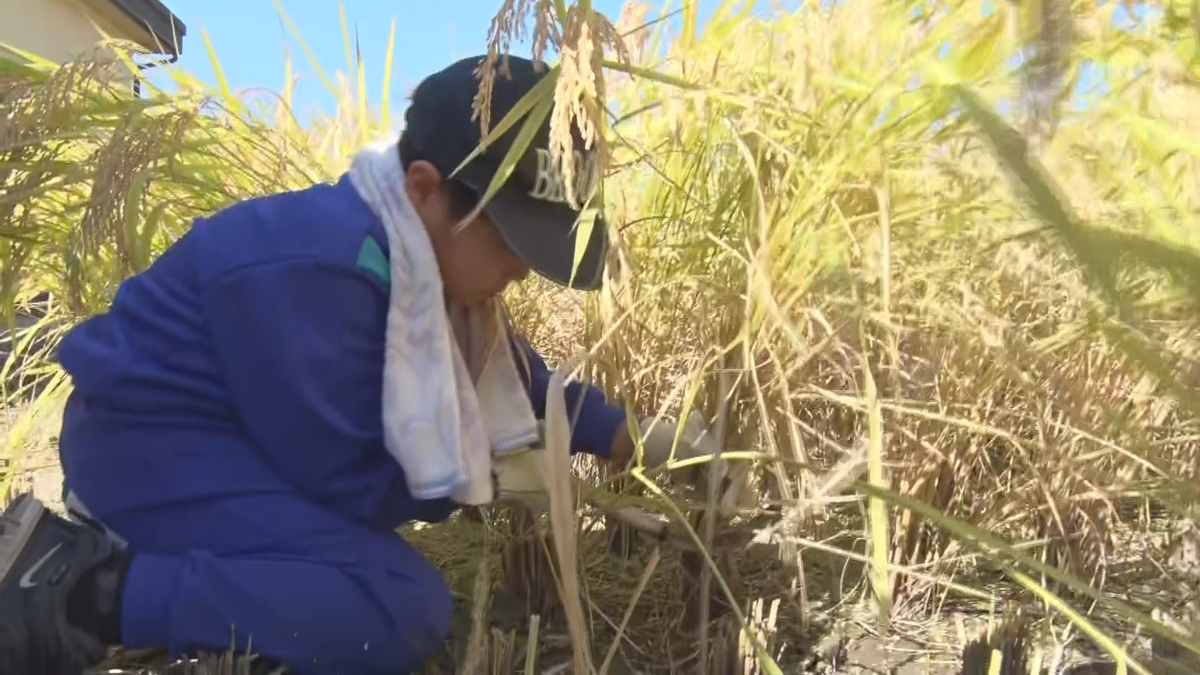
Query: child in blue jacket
point(223, 443)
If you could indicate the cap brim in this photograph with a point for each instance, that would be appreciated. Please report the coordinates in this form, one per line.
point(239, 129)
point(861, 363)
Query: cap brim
point(542, 234)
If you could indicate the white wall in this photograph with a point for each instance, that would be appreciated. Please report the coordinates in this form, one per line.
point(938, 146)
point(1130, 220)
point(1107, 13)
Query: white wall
point(62, 30)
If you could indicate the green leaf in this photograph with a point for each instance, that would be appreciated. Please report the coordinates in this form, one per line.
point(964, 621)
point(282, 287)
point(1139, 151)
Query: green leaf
point(150, 229)
point(583, 234)
point(520, 144)
point(540, 94)
point(981, 56)
point(226, 93)
point(385, 114)
point(725, 19)
point(31, 61)
point(312, 58)
point(1196, 21)
point(364, 121)
point(350, 61)
point(1039, 190)
point(289, 84)
point(1001, 552)
point(690, 22)
point(132, 211)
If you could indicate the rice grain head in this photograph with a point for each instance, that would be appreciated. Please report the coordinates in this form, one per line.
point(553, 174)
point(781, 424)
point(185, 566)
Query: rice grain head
point(579, 92)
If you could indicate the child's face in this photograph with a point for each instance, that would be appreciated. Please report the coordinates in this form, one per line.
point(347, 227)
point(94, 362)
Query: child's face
point(475, 262)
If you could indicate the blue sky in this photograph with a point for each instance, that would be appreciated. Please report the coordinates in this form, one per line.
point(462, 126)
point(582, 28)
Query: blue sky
point(251, 41)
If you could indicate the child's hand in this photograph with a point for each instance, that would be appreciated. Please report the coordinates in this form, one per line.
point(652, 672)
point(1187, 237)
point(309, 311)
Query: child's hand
point(658, 438)
point(521, 478)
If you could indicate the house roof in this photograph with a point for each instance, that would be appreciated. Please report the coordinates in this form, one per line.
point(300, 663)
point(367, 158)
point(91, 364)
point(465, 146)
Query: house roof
point(166, 28)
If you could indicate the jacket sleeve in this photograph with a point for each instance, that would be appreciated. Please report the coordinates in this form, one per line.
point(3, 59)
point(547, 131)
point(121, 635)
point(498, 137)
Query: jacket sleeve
point(301, 347)
point(594, 421)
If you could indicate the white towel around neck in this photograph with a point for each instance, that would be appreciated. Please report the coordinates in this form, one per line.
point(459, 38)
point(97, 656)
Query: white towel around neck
point(445, 413)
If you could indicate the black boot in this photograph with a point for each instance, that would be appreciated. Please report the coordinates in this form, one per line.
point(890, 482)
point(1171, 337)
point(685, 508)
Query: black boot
point(60, 591)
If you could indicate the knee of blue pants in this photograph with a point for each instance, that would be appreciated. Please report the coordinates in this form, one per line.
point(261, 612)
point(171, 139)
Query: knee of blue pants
point(419, 607)
point(440, 607)
point(410, 624)
point(382, 617)
point(429, 607)
point(299, 583)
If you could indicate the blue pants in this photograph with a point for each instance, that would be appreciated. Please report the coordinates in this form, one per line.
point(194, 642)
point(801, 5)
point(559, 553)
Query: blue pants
point(262, 568)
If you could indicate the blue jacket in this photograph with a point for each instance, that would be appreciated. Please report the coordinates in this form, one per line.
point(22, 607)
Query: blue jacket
point(258, 337)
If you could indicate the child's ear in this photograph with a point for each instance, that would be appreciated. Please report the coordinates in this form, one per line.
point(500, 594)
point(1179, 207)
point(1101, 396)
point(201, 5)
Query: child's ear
point(422, 182)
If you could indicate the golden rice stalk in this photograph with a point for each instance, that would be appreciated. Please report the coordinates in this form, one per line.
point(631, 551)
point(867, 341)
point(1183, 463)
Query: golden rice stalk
point(480, 599)
point(509, 23)
point(580, 94)
point(631, 25)
point(557, 472)
point(532, 644)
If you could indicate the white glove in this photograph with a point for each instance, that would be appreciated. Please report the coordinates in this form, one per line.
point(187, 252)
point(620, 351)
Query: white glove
point(695, 440)
point(522, 479)
point(520, 475)
point(658, 437)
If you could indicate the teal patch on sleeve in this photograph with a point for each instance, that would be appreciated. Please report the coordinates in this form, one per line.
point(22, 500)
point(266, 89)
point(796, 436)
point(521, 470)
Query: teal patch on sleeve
point(372, 259)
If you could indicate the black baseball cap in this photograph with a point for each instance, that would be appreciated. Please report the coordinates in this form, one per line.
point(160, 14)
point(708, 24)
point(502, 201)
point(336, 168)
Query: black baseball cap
point(530, 209)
